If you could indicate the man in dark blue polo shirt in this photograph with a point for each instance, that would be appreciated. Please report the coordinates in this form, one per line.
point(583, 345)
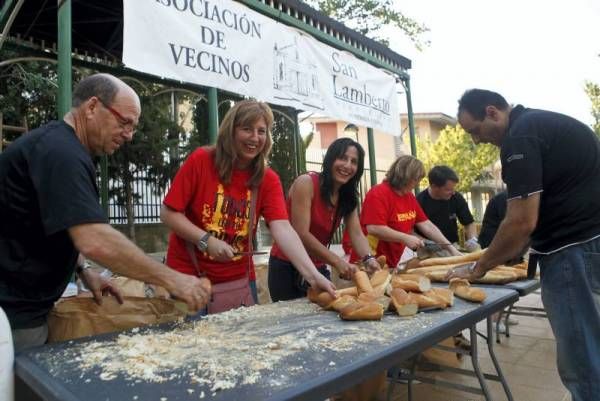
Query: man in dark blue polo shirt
point(551, 166)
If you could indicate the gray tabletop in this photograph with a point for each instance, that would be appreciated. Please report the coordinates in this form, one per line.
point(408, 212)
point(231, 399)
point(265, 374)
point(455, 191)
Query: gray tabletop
point(523, 287)
point(283, 351)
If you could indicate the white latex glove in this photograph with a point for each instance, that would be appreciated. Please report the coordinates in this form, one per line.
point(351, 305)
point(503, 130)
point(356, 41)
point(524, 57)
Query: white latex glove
point(471, 245)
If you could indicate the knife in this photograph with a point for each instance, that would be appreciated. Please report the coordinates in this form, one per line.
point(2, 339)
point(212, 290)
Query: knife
point(248, 253)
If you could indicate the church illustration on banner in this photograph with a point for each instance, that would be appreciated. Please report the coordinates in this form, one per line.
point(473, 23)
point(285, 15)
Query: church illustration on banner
point(295, 79)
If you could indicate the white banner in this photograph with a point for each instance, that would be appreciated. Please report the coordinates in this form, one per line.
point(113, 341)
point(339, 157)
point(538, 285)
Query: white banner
point(226, 45)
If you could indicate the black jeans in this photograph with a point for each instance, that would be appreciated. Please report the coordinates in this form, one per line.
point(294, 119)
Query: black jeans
point(285, 282)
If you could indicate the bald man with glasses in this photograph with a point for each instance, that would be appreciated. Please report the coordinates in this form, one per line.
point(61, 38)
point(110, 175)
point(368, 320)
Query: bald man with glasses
point(50, 214)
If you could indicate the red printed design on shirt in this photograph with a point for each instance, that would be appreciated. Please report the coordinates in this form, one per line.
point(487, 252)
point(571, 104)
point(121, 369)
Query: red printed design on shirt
point(222, 210)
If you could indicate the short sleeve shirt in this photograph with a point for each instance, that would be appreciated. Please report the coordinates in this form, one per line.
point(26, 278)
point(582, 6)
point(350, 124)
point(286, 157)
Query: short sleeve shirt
point(383, 206)
point(47, 185)
point(222, 210)
point(559, 157)
point(445, 213)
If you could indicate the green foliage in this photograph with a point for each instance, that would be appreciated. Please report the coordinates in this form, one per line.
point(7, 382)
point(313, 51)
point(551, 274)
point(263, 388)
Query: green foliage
point(369, 17)
point(593, 91)
point(28, 91)
point(454, 148)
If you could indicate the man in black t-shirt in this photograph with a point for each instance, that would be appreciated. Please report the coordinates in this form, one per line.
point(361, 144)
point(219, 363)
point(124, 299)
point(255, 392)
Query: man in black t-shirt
point(551, 166)
point(49, 212)
point(444, 206)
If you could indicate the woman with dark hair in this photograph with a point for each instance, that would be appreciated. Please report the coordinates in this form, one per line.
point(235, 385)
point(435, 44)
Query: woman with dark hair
point(213, 206)
point(317, 203)
point(390, 212)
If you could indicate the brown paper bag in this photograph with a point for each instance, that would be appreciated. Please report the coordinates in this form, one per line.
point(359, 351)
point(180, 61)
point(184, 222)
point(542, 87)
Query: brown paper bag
point(80, 317)
point(440, 357)
point(373, 389)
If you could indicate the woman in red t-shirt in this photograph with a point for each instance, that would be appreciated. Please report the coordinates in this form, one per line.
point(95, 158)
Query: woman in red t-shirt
point(208, 206)
point(390, 213)
point(316, 204)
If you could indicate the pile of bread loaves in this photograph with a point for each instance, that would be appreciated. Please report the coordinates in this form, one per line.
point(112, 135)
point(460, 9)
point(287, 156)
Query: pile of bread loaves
point(406, 294)
point(436, 269)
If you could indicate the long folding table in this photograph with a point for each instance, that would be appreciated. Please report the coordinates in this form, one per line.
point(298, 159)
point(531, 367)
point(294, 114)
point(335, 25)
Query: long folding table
point(282, 351)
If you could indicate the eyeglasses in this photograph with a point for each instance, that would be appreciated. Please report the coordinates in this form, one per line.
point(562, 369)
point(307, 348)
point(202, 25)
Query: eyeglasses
point(124, 123)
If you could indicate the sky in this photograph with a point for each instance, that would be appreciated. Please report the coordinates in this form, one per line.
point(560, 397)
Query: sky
point(533, 52)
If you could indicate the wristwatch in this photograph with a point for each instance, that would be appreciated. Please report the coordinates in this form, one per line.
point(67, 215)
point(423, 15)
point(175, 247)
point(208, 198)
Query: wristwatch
point(203, 243)
point(367, 257)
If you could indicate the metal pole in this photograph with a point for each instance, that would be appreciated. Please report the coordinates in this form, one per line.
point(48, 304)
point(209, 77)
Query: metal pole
point(213, 115)
point(299, 167)
point(372, 164)
point(4, 12)
point(64, 57)
point(411, 123)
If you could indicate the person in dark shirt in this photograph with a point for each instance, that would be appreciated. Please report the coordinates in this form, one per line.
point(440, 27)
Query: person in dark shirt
point(493, 216)
point(444, 206)
point(49, 212)
point(551, 166)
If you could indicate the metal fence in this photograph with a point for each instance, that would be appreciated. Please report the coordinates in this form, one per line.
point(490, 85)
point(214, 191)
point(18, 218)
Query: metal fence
point(147, 201)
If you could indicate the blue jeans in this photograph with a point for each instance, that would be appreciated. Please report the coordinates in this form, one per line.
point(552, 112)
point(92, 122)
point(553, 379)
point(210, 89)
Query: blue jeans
point(570, 281)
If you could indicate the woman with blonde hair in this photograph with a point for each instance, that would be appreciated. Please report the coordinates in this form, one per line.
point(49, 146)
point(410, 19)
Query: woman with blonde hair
point(390, 212)
point(213, 206)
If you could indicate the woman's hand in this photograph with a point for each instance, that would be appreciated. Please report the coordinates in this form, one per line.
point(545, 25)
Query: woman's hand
point(346, 270)
point(219, 250)
point(453, 251)
point(413, 242)
point(372, 265)
point(320, 283)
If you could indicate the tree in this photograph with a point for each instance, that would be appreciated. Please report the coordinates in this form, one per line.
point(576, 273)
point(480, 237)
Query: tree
point(369, 17)
point(454, 148)
point(593, 91)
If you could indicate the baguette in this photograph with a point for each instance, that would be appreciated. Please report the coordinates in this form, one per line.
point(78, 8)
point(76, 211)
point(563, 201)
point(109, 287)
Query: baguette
point(428, 269)
point(380, 277)
point(402, 303)
point(437, 276)
point(444, 294)
point(462, 289)
point(520, 273)
point(353, 291)
point(520, 266)
point(425, 301)
point(340, 303)
point(362, 311)
point(382, 260)
point(496, 277)
point(323, 298)
point(361, 279)
point(421, 284)
point(469, 257)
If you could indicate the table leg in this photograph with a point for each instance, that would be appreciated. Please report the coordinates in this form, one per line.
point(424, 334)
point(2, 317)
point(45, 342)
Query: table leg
point(475, 362)
point(490, 344)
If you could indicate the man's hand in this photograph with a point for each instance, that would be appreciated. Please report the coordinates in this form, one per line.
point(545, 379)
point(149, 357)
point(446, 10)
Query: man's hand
point(194, 291)
point(470, 271)
point(99, 286)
